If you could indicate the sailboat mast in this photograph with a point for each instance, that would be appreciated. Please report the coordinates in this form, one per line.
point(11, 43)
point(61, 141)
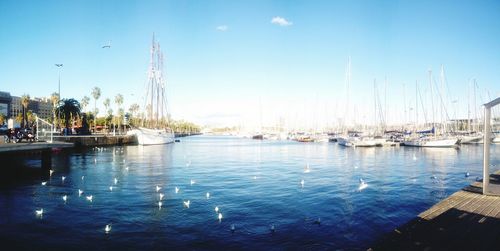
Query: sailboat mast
point(432, 101)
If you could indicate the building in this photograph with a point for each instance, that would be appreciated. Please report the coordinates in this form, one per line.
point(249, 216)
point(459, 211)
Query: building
point(11, 107)
point(5, 103)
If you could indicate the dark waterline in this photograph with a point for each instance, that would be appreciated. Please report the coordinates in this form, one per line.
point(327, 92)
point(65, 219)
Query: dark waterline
point(255, 184)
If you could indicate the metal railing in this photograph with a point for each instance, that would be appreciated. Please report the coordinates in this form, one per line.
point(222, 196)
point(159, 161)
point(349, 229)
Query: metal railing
point(44, 130)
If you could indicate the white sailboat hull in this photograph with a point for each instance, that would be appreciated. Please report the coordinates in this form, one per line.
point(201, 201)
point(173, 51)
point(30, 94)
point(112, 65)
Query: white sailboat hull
point(431, 142)
point(147, 136)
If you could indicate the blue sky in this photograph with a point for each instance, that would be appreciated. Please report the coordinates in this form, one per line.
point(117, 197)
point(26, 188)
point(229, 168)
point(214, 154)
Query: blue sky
point(252, 66)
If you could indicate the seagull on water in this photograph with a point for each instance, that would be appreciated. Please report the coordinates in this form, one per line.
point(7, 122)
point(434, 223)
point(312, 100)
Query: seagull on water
point(307, 169)
point(302, 183)
point(414, 157)
point(176, 190)
point(111, 188)
point(208, 195)
point(161, 196)
point(107, 228)
point(220, 217)
point(89, 198)
point(159, 204)
point(83, 177)
point(80, 192)
point(467, 174)
point(116, 181)
point(44, 183)
point(192, 182)
point(186, 203)
point(63, 178)
point(65, 198)
point(126, 168)
point(51, 172)
point(362, 184)
point(158, 188)
point(272, 228)
point(216, 209)
point(39, 212)
point(233, 228)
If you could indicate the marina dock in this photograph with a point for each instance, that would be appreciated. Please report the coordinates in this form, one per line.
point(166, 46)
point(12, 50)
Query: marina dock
point(466, 220)
point(45, 149)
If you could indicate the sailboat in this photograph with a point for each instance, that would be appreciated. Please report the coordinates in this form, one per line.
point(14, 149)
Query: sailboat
point(154, 130)
point(429, 138)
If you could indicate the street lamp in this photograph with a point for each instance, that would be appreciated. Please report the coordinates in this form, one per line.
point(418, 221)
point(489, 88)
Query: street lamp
point(59, 85)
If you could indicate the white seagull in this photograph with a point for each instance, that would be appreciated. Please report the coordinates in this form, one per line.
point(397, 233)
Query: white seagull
point(216, 209)
point(51, 172)
point(273, 229)
point(80, 192)
point(89, 198)
point(83, 177)
point(362, 184)
point(192, 182)
point(65, 198)
point(44, 183)
point(107, 228)
point(414, 157)
point(116, 181)
point(232, 228)
point(159, 204)
point(111, 188)
point(158, 188)
point(63, 178)
point(208, 195)
point(161, 196)
point(39, 212)
point(176, 190)
point(186, 203)
point(302, 183)
point(220, 217)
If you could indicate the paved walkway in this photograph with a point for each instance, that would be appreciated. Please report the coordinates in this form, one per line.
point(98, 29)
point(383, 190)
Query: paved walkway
point(467, 220)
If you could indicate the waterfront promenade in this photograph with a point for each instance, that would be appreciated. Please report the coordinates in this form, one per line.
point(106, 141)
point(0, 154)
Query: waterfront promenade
point(466, 220)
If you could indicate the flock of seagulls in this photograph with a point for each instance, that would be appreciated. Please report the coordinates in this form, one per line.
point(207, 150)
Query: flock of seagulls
point(187, 203)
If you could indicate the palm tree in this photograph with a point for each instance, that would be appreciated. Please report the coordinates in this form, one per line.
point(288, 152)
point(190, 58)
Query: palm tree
point(119, 102)
point(25, 101)
point(67, 109)
point(134, 108)
point(107, 104)
point(96, 94)
point(85, 102)
point(54, 98)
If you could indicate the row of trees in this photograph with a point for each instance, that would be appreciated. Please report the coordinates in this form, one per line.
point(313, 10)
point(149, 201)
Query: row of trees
point(70, 112)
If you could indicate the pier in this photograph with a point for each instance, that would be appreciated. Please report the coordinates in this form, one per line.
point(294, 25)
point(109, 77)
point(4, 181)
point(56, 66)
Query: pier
point(43, 148)
point(466, 220)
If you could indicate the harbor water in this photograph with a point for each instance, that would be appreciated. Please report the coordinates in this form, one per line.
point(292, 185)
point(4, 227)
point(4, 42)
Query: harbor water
point(271, 195)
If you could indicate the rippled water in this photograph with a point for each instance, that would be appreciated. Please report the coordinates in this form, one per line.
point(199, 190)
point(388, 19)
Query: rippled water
point(256, 184)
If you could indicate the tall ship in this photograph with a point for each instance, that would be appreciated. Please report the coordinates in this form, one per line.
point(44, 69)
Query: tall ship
point(154, 128)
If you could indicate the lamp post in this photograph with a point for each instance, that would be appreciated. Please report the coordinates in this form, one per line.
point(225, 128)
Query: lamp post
point(59, 83)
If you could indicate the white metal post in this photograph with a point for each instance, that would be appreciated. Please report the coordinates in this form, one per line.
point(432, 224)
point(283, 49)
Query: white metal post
point(486, 154)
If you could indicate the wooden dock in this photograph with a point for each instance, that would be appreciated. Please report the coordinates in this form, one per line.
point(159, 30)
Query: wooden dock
point(44, 149)
point(467, 220)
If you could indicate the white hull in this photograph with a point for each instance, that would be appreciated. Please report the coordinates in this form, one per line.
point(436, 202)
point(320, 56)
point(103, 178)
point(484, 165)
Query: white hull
point(358, 142)
point(147, 136)
point(431, 142)
point(476, 139)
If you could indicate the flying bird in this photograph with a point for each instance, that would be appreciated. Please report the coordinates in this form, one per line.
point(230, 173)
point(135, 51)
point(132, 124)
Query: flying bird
point(39, 212)
point(89, 198)
point(107, 45)
point(59, 65)
point(187, 203)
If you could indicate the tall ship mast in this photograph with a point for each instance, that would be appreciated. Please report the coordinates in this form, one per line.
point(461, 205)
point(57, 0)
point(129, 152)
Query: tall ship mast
point(154, 128)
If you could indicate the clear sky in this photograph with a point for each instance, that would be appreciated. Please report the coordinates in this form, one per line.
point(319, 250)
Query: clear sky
point(233, 62)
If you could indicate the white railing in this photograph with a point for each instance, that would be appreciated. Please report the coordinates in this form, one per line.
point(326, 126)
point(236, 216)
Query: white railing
point(44, 130)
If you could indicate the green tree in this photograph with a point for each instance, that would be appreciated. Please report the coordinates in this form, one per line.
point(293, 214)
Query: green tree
point(134, 108)
point(119, 102)
point(25, 101)
point(68, 109)
point(2, 118)
point(85, 102)
point(106, 104)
